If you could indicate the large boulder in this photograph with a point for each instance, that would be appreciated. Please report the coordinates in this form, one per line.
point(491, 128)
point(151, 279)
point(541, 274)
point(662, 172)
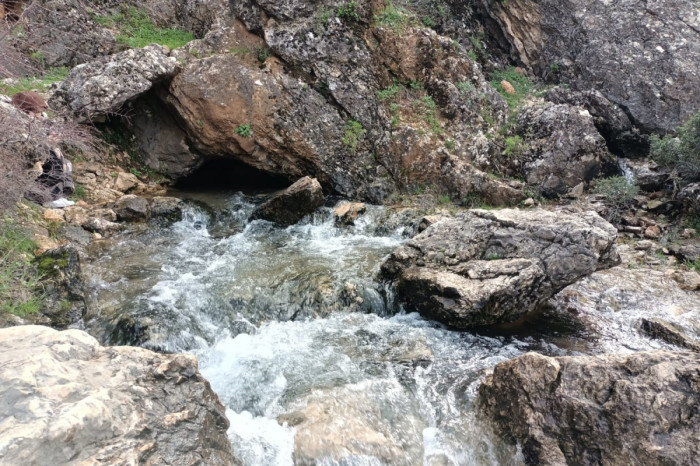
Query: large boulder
point(132, 208)
point(68, 399)
point(690, 196)
point(562, 148)
point(612, 409)
point(486, 267)
point(641, 55)
point(103, 86)
point(292, 204)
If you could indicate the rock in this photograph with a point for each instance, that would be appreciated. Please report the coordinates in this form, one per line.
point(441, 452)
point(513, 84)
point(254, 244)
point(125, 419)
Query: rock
point(64, 286)
point(29, 102)
point(346, 213)
point(292, 204)
point(690, 196)
point(598, 409)
point(43, 244)
point(169, 208)
point(529, 202)
point(74, 401)
point(666, 331)
point(486, 267)
point(54, 215)
point(687, 280)
point(686, 252)
point(132, 208)
point(647, 175)
point(609, 119)
point(562, 148)
point(577, 191)
point(125, 182)
point(642, 56)
point(507, 87)
point(652, 232)
point(100, 87)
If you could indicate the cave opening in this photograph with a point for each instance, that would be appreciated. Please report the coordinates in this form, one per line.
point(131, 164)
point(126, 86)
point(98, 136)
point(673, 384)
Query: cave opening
point(221, 174)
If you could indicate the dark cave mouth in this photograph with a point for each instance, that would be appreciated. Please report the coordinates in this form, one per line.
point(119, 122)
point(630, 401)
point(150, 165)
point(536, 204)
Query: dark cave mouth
point(231, 175)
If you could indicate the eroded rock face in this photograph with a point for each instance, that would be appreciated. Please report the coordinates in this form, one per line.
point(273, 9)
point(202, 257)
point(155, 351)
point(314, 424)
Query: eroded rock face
point(562, 148)
point(690, 196)
point(599, 410)
point(104, 85)
point(68, 399)
point(641, 55)
point(292, 204)
point(486, 267)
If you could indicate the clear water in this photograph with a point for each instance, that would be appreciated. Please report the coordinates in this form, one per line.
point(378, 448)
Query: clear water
point(307, 350)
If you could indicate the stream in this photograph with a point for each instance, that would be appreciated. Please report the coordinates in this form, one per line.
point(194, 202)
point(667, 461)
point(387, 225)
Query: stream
point(309, 353)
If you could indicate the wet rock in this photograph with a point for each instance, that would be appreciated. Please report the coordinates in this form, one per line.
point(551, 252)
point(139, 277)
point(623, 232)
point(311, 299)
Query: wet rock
point(100, 87)
point(562, 148)
point(292, 204)
point(64, 286)
point(132, 208)
point(647, 174)
point(485, 267)
point(346, 213)
point(668, 332)
point(76, 401)
point(598, 409)
point(690, 196)
point(169, 208)
point(94, 220)
point(642, 56)
point(356, 421)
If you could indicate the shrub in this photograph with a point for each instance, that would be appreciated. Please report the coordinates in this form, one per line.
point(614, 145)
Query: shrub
point(618, 193)
point(514, 146)
point(348, 11)
point(19, 280)
point(681, 152)
point(353, 132)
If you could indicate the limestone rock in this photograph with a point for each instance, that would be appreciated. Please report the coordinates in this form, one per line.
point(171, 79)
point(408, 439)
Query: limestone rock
point(666, 331)
point(125, 182)
point(346, 213)
point(292, 204)
point(486, 267)
point(690, 196)
point(132, 208)
point(64, 286)
point(54, 215)
point(70, 400)
point(647, 174)
point(599, 409)
point(103, 86)
point(167, 207)
point(562, 148)
point(641, 55)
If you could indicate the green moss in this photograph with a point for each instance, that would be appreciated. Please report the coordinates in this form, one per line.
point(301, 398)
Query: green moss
point(137, 30)
point(20, 293)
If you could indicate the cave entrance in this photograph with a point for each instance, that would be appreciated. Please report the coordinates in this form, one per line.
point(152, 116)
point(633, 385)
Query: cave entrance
point(231, 175)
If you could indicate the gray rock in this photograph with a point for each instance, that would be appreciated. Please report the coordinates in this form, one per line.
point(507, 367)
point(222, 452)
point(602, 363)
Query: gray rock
point(641, 55)
point(132, 208)
point(611, 409)
point(167, 207)
point(292, 204)
point(69, 400)
point(690, 196)
point(64, 286)
point(486, 267)
point(562, 148)
point(103, 86)
point(647, 175)
point(666, 331)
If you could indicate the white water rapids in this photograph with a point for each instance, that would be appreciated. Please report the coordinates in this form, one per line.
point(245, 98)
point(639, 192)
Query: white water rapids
point(306, 349)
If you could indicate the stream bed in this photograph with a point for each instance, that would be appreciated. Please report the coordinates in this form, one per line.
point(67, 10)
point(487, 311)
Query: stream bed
point(308, 352)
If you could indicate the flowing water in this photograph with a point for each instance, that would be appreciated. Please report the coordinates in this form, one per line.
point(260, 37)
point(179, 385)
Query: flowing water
point(307, 350)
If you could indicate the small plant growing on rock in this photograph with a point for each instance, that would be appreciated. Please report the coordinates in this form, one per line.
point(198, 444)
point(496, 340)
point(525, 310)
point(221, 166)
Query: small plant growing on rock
point(521, 86)
point(244, 131)
point(348, 11)
point(353, 132)
point(394, 17)
point(137, 30)
point(618, 193)
point(514, 146)
point(681, 152)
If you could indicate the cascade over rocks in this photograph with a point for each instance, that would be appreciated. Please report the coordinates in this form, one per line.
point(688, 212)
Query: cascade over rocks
point(68, 399)
point(641, 55)
point(487, 267)
point(103, 86)
point(562, 148)
point(292, 204)
point(609, 409)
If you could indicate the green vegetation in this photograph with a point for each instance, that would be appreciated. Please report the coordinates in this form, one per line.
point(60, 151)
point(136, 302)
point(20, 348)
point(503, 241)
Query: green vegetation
point(244, 131)
point(429, 108)
point(520, 83)
point(137, 30)
point(515, 146)
point(390, 92)
point(466, 88)
point(618, 193)
point(353, 133)
point(19, 280)
point(476, 201)
point(348, 11)
point(682, 152)
point(444, 199)
point(450, 144)
point(79, 193)
point(40, 84)
point(394, 17)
